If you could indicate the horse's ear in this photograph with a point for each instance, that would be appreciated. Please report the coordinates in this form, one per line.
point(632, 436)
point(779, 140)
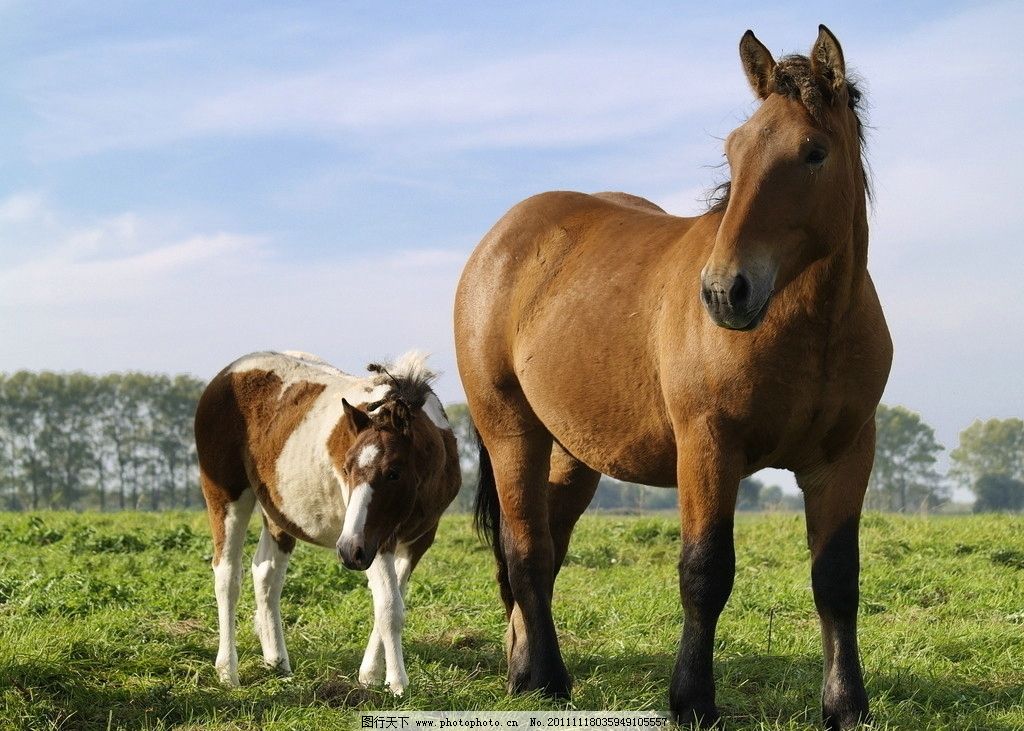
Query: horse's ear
point(758, 64)
point(827, 60)
point(356, 419)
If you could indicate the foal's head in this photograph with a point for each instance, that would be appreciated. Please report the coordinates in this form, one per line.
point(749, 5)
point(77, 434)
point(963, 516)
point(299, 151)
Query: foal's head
point(797, 179)
point(379, 476)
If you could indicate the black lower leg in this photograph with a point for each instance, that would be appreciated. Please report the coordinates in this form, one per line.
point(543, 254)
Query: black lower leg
point(834, 575)
point(540, 666)
point(706, 570)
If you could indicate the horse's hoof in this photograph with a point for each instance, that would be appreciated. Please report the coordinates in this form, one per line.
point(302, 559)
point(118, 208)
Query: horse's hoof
point(398, 685)
point(280, 667)
point(557, 685)
point(845, 719)
point(228, 679)
point(698, 716)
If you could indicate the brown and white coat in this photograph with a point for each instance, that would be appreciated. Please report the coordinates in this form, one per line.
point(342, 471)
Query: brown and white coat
point(371, 481)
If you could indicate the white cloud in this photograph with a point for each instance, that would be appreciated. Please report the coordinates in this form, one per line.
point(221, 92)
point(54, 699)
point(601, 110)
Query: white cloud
point(579, 94)
point(126, 292)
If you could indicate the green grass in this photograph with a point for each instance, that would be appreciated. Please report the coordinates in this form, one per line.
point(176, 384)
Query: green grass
point(109, 621)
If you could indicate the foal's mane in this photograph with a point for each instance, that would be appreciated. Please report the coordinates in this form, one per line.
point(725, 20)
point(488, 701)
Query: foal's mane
point(794, 78)
point(410, 380)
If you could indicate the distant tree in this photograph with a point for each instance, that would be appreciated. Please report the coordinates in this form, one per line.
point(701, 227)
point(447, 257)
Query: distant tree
point(72, 440)
point(469, 454)
point(904, 476)
point(998, 493)
point(993, 447)
point(772, 497)
point(749, 495)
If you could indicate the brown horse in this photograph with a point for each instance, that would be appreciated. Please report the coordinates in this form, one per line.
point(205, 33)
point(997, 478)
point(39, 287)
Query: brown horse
point(596, 333)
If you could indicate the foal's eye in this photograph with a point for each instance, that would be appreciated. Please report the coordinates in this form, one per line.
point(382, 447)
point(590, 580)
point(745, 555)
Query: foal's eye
point(816, 157)
point(391, 475)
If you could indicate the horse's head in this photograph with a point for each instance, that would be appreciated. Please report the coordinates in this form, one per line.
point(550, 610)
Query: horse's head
point(796, 176)
point(380, 478)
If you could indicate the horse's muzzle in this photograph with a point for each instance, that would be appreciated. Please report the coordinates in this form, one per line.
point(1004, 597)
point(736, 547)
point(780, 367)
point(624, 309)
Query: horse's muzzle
point(734, 302)
point(355, 554)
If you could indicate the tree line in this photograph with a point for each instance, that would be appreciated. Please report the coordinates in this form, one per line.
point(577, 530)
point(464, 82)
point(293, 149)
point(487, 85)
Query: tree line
point(124, 441)
point(77, 441)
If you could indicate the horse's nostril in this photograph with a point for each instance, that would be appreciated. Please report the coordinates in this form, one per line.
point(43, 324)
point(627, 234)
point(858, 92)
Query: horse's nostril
point(358, 555)
point(705, 296)
point(739, 293)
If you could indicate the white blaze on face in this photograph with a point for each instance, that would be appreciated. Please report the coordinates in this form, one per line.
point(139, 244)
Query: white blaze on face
point(355, 512)
point(360, 495)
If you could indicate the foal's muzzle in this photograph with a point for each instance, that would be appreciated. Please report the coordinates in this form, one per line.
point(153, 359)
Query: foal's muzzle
point(355, 553)
point(737, 301)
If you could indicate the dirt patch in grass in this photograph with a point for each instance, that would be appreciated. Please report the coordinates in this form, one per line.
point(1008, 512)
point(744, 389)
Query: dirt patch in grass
point(340, 692)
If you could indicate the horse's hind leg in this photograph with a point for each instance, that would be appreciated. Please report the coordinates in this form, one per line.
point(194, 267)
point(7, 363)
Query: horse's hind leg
point(269, 565)
point(833, 495)
point(573, 485)
point(229, 520)
point(521, 463)
point(571, 488)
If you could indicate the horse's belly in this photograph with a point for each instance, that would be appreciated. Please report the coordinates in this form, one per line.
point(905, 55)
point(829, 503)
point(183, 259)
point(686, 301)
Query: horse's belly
point(625, 435)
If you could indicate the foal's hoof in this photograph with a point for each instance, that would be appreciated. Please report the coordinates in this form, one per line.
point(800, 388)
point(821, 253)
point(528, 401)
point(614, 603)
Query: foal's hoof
point(228, 679)
point(698, 716)
point(397, 685)
point(281, 668)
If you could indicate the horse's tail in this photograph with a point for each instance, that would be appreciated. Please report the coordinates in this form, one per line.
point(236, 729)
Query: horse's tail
point(487, 520)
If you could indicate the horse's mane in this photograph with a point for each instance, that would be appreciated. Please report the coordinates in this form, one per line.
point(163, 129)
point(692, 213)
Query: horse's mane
point(794, 78)
point(409, 377)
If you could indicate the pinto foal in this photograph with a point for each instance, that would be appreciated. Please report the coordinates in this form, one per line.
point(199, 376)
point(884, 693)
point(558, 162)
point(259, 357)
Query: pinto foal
point(371, 481)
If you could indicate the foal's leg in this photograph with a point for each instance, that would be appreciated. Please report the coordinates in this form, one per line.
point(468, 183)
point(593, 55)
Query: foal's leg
point(229, 521)
point(269, 565)
point(833, 496)
point(388, 620)
point(708, 482)
point(521, 464)
point(371, 670)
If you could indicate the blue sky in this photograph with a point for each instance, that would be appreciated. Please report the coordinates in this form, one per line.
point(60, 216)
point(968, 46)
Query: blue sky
point(183, 183)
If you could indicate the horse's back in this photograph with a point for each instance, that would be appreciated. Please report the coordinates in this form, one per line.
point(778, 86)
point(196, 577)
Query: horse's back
point(266, 422)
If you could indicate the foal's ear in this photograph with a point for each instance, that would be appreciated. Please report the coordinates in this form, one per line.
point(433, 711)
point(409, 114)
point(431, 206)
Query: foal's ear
point(758, 64)
point(356, 419)
point(827, 60)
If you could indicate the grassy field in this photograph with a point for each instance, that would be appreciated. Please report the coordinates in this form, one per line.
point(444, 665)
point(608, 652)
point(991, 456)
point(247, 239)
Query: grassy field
point(109, 621)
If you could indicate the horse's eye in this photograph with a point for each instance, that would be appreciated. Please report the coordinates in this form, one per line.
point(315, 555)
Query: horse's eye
point(391, 475)
point(816, 157)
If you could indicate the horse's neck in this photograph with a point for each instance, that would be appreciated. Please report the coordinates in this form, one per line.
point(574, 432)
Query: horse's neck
point(831, 288)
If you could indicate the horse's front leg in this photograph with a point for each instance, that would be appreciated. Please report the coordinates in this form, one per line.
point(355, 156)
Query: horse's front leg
point(708, 478)
point(388, 620)
point(833, 495)
point(406, 556)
